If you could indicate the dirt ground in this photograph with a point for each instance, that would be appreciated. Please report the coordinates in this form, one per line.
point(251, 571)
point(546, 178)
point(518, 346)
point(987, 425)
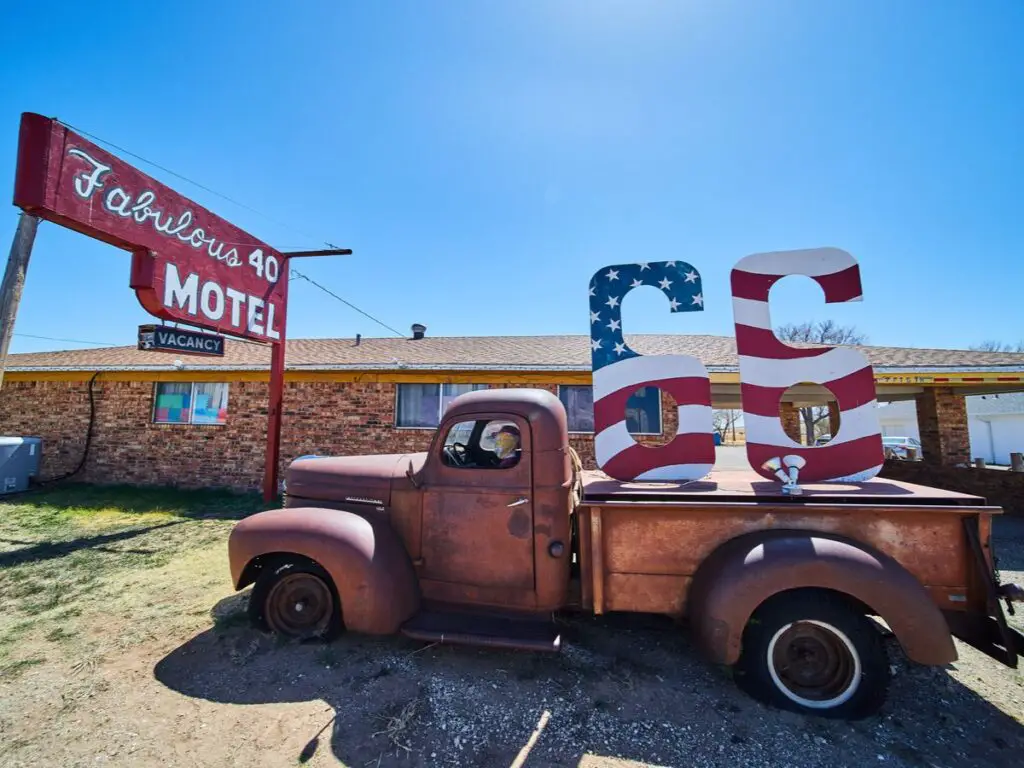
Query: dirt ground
point(122, 643)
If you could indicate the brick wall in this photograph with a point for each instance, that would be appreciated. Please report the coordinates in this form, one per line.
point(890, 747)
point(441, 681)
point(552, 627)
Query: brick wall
point(789, 415)
point(327, 418)
point(942, 424)
point(997, 486)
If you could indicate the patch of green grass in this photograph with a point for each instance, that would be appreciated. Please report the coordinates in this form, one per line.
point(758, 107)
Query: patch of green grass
point(79, 553)
point(12, 669)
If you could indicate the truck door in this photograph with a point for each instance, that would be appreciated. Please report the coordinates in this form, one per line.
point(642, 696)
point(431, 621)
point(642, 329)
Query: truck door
point(477, 535)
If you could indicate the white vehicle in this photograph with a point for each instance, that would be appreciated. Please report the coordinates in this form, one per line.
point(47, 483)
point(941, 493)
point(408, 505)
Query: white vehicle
point(900, 448)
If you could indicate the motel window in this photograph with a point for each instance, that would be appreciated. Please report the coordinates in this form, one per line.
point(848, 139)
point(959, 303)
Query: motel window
point(190, 403)
point(422, 405)
point(643, 409)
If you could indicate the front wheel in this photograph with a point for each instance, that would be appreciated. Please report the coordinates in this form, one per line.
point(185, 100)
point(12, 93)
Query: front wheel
point(811, 652)
point(296, 599)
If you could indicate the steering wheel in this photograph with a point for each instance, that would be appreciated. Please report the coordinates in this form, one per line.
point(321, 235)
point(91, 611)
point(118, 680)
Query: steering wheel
point(458, 453)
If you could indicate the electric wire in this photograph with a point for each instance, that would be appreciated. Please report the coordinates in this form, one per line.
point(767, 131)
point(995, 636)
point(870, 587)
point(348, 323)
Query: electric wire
point(69, 341)
point(194, 183)
point(240, 204)
point(296, 273)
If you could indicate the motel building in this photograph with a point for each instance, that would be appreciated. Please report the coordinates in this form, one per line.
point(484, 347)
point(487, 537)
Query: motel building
point(199, 421)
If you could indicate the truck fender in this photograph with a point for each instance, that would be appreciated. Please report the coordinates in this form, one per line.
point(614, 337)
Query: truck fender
point(742, 573)
point(371, 570)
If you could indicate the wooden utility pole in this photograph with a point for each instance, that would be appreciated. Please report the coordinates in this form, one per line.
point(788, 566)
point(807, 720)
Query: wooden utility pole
point(14, 282)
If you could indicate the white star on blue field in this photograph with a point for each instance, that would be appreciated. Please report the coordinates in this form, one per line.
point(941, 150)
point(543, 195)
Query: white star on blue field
point(679, 281)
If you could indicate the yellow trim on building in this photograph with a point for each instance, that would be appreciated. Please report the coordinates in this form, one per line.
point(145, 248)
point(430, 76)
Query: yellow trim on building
point(923, 378)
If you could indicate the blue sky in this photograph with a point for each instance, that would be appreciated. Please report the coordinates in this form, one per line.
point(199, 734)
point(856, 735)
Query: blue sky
point(484, 159)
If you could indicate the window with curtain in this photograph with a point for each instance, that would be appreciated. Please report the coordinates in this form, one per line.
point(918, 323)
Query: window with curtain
point(190, 403)
point(423, 405)
point(579, 407)
point(643, 409)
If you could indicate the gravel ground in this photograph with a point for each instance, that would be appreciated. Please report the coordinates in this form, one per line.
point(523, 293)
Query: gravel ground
point(622, 690)
point(202, 690)
point(625, 691)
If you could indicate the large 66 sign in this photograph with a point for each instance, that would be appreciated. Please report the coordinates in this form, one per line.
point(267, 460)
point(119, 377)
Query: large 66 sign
point(768, 367)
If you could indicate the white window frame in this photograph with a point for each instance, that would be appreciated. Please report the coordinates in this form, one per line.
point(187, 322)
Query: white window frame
point(191, 401)
point(661, 415)
point(440, 385)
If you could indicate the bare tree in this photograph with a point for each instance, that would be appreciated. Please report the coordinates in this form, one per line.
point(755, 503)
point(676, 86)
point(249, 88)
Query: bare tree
point(990, 345)
point(724, 419)
point(821, 332)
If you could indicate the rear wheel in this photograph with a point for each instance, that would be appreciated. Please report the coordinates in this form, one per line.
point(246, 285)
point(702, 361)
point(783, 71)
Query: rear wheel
point(811, 652)
point(296, 599)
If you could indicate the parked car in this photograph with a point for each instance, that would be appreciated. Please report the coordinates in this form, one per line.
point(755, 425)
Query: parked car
point(899, 448)
point(822, 439)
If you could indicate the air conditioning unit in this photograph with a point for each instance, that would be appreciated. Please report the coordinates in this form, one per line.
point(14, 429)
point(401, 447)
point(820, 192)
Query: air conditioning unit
point(19, 462)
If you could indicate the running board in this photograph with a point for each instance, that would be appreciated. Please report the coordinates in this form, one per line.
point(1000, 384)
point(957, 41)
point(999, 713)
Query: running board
point(486, 631)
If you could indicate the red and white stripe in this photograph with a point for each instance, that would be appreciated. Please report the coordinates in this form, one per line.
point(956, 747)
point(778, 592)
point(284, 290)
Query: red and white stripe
point(768, 367)
point(690, 455)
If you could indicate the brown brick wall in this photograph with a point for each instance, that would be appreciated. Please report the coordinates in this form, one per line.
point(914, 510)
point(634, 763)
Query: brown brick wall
point(942, 423)
point(325, 418)
point(997, 486)
point(789, 414)
point(126, 446)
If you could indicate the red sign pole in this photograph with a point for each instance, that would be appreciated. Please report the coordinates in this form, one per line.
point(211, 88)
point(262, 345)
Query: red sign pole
point(277, 355)
point(273, 454)
point(276, 401)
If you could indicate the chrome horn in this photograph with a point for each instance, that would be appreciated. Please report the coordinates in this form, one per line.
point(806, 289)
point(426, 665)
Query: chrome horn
point(787, 469)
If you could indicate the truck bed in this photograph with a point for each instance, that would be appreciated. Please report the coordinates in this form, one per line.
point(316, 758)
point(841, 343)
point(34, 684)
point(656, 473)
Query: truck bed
point(746, 486)
point(640, 543)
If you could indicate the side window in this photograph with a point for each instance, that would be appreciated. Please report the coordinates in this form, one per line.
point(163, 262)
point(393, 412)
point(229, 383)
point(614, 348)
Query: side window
point(482, 444)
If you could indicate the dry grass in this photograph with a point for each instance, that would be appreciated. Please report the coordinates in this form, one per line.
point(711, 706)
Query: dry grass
point(398, 725)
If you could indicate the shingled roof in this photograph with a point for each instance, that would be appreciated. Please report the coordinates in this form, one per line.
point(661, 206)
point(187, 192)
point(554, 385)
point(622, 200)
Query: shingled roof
point(467, 353)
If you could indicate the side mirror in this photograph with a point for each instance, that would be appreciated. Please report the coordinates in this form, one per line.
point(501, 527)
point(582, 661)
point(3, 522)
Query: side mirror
point(411, 475)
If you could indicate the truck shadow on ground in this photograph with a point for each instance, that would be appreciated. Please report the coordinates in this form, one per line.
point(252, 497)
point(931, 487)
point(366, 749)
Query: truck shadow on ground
point(48, 550)
point(626, 686)
point(202, 504)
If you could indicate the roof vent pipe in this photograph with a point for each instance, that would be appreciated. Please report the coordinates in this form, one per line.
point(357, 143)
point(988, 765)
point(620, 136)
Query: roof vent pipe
point(418, 330)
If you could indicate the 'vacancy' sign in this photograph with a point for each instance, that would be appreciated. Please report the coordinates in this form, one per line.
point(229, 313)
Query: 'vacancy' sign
point(162, 338)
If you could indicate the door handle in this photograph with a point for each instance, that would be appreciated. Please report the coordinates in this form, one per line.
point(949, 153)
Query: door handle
point(519, 502)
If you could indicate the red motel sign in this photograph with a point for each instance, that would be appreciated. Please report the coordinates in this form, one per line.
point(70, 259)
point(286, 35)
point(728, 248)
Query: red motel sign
point(188, 264)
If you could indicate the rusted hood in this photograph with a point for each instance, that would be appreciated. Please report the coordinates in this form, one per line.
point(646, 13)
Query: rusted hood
point(336, 478)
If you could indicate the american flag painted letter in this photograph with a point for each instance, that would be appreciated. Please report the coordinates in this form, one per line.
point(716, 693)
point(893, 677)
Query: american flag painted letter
point(618, 372)
point(768, 367)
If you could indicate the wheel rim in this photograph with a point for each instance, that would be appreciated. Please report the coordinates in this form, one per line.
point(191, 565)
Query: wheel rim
point(299, 605)
point(814, 664)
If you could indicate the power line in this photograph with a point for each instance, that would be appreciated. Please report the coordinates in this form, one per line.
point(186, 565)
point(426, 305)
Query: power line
point(69, 341)
point(296, 273)
point(231, 200)
point(194, 183)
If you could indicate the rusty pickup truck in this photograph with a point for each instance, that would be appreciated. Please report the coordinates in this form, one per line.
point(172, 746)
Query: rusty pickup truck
point(791, 591)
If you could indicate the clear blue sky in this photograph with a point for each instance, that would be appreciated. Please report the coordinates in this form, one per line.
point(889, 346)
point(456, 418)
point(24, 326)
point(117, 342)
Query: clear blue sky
point(484, 159)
